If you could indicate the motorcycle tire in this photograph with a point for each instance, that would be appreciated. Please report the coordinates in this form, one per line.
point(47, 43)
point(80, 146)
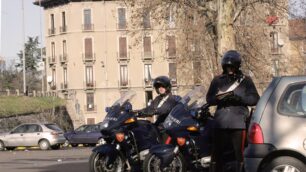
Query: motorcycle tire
point(152, 164)
point(97, 163)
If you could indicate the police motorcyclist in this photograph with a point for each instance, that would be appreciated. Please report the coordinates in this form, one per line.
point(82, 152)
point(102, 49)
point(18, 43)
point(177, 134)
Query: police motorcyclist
point(232, 92)
point(163, 103)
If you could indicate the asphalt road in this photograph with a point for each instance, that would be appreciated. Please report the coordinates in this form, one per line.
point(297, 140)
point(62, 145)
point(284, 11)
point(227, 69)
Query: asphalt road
point(31, 160)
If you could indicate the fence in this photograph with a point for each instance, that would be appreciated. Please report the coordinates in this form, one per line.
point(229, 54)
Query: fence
point(33, 93)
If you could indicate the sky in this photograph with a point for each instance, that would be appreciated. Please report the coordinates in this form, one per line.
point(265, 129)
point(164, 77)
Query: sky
point(11, 26)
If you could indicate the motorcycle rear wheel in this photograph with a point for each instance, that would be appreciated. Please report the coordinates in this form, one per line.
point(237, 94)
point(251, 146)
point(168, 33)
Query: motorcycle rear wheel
point(152, 164)
point(97, 163)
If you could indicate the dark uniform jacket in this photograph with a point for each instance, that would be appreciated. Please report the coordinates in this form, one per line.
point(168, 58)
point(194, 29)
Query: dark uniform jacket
point(162, 111)
point(232, 114)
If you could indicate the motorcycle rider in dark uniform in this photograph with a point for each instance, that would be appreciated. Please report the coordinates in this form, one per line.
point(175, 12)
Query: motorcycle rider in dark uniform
point(232, 109)
point(163, 103)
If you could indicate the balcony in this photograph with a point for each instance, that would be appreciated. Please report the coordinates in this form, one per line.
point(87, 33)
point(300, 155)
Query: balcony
point(123, 57)
point(90, 108)
point(121, 25)
point(89, 57)
point(63, 29)
point(148, 83)
point(173, 82)
point(171, 56)
point(88, 27)
point(63, 58)
point(147, 56)
point(53, 86)
point(51, 31)
point(52, 60)
point(123, 84)
point(89, 85)
point(64, 86)
point(276, 51)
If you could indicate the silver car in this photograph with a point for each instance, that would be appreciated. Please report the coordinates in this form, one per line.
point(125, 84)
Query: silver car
point(45, 136)
point(277, 132)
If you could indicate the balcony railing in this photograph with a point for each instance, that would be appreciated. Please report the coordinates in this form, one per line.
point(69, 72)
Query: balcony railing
point(88, 27)
point(275, 51)
point(63, 58)
point(173, 82)
point(90, 108)
point(51, 31)
point(122, 25)
point(148, 82)
point(123, 57)
point(123, 83)
point(64, 86)
point(52, 60)
point(90, 85)
point(147, 56)
point(63, 29)
point(89, 57)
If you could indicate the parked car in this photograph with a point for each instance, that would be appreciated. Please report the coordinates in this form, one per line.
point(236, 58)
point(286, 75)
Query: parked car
point(45, 136)
point(88, 135)
point(277, 132)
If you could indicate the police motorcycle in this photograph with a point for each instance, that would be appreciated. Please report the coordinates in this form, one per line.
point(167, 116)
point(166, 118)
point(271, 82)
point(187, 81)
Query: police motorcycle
point(188, 124)
point(126, 140)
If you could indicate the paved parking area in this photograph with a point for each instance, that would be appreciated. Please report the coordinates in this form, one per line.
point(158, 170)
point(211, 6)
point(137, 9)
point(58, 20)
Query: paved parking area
point(33, 160)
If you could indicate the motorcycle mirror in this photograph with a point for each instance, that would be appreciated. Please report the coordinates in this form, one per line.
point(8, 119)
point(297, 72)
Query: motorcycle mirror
point(304, 98)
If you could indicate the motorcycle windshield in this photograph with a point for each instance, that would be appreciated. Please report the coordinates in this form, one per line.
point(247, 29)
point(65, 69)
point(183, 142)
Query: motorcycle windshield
point(180, 115)
point(117, 112)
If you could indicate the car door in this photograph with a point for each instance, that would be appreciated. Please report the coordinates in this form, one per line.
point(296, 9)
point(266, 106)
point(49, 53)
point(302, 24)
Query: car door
point(91, 134)
point(77, 134)
point(15, 137)
point(32, 135)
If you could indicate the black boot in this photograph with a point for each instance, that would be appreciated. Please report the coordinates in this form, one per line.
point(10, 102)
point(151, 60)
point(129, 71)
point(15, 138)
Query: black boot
point(240, 167)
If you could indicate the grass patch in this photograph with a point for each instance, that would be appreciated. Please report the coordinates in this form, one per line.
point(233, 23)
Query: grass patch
point(12, 105)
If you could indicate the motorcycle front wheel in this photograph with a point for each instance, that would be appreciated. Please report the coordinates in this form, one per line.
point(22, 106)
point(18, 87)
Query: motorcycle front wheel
point(98, 163)
point(152, 164)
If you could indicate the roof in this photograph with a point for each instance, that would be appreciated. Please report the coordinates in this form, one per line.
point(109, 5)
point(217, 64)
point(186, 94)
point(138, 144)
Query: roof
point(54, 3)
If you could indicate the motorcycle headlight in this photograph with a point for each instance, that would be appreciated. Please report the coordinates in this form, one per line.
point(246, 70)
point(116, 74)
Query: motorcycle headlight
point(105, 125)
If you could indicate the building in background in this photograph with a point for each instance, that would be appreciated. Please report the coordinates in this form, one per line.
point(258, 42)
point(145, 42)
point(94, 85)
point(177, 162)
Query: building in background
point(91, 57)
point(2, 64)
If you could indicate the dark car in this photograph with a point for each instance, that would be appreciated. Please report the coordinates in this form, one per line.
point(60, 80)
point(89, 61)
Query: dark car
point(88, 135)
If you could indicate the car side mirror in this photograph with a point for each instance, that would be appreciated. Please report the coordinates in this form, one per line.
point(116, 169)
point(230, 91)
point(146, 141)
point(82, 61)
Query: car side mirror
point(304, 98)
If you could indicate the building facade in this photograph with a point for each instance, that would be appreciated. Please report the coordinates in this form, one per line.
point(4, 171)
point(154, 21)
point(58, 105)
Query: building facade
point(91, 57)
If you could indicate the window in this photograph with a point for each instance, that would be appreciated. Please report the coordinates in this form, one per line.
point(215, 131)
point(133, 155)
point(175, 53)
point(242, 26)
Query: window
point(52, 30)
point(146, 19)
point(149, 97)
point(304, 46)
point(64, 48)
point(90, 101)
point(197, 72)
point(147, 47)
point(53, 77)
point(65, 76)
point(53, 50)
point(123, 75)
point(172, 73)
point(88, 48)
point(122, 47)
point(147, 73)
point(20, 129)
point(63, 27)
point(274, 42)
point(291, 101)
point(121, 18)
point(34, 128)
point(171, 17)
point(171, 46)
point(89, 76)
point(87, 20)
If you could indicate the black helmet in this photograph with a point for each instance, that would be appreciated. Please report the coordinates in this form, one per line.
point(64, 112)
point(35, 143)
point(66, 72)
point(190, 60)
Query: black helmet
point(231, 58)
point(163, 81)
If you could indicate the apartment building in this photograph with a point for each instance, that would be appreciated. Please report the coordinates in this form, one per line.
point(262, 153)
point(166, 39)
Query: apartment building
point(92, 57)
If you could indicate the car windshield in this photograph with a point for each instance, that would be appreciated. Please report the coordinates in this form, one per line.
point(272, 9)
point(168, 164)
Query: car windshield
point(113, 112)
point(180, 114)
point(81, 128)
point(53, 127)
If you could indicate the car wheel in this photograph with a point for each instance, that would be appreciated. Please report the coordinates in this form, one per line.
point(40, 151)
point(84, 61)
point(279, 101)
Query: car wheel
point(2, 146)
point(74, 145)
point(44, 145)
point(66, 144)
point(92, 144)
point(284, 164)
